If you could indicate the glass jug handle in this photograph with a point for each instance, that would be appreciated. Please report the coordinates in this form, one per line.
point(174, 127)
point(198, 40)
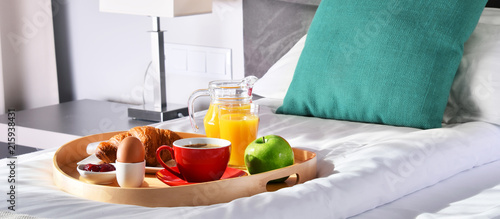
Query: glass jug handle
point(194, 95)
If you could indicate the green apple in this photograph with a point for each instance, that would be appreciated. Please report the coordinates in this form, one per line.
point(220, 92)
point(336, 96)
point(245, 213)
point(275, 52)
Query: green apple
point(267, 153)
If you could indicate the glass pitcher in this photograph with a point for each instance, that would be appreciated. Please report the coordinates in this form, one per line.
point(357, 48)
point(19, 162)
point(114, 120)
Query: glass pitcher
point(228, 93)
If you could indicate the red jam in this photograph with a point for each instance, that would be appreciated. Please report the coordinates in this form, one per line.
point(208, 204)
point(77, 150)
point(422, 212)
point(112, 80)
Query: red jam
point(99, 167)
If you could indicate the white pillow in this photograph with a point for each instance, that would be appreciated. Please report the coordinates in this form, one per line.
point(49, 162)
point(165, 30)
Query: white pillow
point(274, 84)
point(475, 93)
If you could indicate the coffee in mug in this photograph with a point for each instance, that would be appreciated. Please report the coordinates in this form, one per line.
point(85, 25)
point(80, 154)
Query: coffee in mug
point(198, 159)
point(202, 146)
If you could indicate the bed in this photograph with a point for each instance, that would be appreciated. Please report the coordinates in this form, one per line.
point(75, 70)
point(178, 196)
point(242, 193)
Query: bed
point(364, 169)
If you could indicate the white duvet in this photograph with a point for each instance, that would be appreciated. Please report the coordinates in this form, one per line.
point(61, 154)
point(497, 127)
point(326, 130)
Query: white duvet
point(360, 167)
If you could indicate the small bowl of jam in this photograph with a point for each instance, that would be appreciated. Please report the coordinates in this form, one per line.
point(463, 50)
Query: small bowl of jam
point(97, 173)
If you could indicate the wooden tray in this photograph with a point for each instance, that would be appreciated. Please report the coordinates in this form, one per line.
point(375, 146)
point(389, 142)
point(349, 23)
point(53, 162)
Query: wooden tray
point(155, 193)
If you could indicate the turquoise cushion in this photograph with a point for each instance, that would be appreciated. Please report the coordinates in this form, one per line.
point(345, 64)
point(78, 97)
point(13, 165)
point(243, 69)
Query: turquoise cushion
point(381, 61)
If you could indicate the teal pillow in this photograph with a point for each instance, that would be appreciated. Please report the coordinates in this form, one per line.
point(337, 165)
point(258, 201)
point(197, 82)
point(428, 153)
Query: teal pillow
point(381, 61)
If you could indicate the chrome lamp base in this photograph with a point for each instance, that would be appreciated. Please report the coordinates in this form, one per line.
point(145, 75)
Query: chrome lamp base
point(173, 111)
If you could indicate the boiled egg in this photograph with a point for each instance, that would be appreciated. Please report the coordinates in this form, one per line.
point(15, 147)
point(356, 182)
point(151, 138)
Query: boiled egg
point(130, 150)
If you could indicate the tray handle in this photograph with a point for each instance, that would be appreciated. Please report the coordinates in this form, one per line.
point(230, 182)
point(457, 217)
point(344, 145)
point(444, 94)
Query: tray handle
point(301, 171)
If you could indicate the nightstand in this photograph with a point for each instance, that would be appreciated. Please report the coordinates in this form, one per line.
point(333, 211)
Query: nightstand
point(55, 125)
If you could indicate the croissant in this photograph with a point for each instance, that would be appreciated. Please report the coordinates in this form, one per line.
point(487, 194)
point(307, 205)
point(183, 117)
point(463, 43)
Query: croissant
point(152, 138)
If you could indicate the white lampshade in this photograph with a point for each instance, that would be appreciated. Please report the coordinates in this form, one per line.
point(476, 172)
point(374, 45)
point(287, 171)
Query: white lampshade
point(157, 8)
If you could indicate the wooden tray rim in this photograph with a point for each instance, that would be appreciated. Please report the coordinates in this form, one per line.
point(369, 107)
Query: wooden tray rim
point(59, 174)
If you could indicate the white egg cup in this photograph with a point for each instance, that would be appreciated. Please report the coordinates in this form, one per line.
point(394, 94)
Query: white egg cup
point(130, 175)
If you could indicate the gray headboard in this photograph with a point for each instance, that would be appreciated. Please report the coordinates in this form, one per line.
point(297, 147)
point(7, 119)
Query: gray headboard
point(271, 28)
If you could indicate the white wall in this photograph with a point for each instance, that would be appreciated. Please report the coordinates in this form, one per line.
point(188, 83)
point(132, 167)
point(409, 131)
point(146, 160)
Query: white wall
point(101, 56)
point(223, 28)
point(28, 56)
point(107, 54)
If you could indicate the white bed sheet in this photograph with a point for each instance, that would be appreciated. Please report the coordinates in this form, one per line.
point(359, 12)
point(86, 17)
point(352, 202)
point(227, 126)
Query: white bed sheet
point(471, 194)
point(364, 170)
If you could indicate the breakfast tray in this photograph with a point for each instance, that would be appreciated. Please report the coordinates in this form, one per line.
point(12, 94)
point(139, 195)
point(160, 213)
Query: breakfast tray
point(154, 193)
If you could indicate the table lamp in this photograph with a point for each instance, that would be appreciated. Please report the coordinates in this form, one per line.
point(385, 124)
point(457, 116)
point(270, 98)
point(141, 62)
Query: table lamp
point(160, 110)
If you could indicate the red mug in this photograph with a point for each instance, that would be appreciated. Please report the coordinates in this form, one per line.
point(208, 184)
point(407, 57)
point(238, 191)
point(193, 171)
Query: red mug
point(195, 163)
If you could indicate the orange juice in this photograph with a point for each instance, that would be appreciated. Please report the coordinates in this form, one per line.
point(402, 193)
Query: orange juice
point(221, 92)
point(241, 130)
point(211, 120)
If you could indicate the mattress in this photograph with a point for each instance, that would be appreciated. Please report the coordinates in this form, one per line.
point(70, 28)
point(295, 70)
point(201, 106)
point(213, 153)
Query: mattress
point(363, 171)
